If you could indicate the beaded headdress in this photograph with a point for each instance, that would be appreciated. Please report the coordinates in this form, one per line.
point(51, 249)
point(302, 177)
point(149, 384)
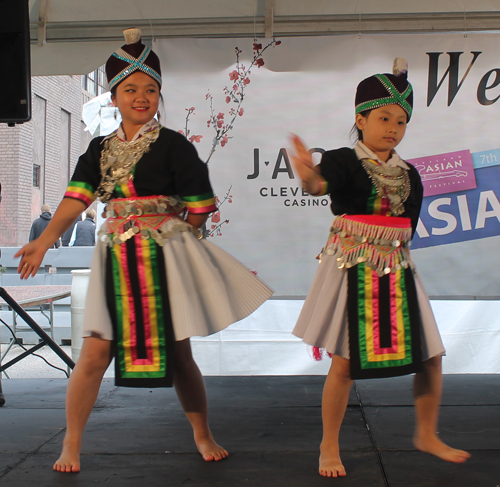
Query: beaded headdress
point(133, 56)
point(381, 90)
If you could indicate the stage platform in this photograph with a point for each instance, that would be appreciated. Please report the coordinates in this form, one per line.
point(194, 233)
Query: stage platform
point(270, 425)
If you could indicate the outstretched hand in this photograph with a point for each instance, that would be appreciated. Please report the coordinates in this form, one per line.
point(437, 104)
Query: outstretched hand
point(32, 254)
point(31, 258)
point(302, 160)
point(304, 166)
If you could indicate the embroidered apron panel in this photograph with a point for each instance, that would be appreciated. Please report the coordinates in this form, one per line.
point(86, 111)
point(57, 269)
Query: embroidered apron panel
point(138, 302)
point(384, 323)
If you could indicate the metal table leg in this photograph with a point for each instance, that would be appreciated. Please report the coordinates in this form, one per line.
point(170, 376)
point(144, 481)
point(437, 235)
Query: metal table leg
point(2, 397)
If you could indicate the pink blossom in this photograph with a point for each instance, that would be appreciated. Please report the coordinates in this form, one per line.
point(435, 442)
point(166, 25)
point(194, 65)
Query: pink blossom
point(259, 62)
point(235, 87)
point(228, 99)
point(246, 81)
point(224, 141)
point(216, 217)
point(220, 123)
point(233, 76)
point(257, 47)
point(240, 113)
point(195, 138)
point(220, 115)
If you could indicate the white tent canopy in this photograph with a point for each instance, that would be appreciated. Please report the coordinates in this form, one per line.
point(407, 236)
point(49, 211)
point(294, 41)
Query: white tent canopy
point(75, 37)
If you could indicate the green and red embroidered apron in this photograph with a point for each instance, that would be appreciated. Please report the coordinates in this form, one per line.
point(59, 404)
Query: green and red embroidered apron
point(137, 290)
point(382, 306)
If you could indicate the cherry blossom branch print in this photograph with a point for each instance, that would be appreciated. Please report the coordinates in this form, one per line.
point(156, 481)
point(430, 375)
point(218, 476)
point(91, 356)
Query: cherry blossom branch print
point(186, 131)
point(216, 223)
point(240, 78)
point(222, 122)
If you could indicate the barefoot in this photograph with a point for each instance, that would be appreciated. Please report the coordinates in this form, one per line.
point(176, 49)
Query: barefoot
point(330, 464)
point(210, 451)
point(435, 446)
point(69, 461)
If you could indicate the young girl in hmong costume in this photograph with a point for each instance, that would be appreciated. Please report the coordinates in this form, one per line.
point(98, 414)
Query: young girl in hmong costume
point(367, 306)
point(154, 283)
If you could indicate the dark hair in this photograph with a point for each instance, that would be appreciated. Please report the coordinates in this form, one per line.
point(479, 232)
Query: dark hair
point(355, 133)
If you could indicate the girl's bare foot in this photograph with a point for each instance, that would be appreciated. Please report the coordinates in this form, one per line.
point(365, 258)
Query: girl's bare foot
point(435, 446)
point(210, 451)
point(69, 461)
point(330, 464)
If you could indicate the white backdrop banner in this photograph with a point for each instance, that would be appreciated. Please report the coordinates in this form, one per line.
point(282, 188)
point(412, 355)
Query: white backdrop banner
point(306, 86)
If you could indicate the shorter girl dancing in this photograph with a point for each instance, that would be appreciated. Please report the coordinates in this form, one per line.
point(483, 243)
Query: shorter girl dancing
point(367, 306)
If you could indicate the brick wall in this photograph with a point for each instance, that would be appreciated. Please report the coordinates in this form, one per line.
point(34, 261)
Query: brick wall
point(16, 157)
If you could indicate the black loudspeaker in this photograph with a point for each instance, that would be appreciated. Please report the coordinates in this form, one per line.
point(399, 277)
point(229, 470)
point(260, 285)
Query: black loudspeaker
point(15, 76)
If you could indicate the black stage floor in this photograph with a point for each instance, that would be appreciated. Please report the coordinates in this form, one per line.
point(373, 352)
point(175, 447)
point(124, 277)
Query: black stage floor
point(270, 425)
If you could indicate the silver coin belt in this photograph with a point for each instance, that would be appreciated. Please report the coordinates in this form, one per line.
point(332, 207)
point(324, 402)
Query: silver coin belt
point(383, 255)
point(129, 217)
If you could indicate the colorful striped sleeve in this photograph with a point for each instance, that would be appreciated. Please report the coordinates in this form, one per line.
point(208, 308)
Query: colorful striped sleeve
point(203, 203)
point(80, 191)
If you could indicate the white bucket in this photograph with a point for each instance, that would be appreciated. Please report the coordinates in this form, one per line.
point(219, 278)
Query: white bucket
point(79, 286)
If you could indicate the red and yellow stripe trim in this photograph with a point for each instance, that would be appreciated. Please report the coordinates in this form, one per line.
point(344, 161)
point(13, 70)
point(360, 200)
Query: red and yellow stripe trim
point(80, 191)
point(126, 190)
point(377, 205)
point(204, 203)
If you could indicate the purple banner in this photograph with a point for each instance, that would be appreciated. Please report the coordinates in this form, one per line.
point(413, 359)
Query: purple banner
point(446, 173)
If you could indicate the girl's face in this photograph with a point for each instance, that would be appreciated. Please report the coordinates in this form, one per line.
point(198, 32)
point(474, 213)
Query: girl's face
point(137, 97)
point(383, 129)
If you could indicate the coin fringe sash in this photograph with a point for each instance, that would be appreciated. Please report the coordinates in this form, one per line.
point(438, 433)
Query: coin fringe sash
point(380, 242)
point(143, 216)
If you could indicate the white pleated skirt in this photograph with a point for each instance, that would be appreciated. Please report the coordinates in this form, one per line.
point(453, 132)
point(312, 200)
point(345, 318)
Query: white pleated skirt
point(323, 319)
point(208, 289)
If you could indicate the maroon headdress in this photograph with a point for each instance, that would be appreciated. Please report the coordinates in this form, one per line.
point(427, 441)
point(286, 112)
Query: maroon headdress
point(386, 89)
point(133, 56)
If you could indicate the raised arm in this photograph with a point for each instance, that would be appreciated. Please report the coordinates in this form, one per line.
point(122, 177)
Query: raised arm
point(32, 254)
point(304, 166)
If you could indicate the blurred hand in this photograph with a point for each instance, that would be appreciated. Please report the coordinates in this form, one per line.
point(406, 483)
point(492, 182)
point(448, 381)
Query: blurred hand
point(302, 160)
point(32, 256)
